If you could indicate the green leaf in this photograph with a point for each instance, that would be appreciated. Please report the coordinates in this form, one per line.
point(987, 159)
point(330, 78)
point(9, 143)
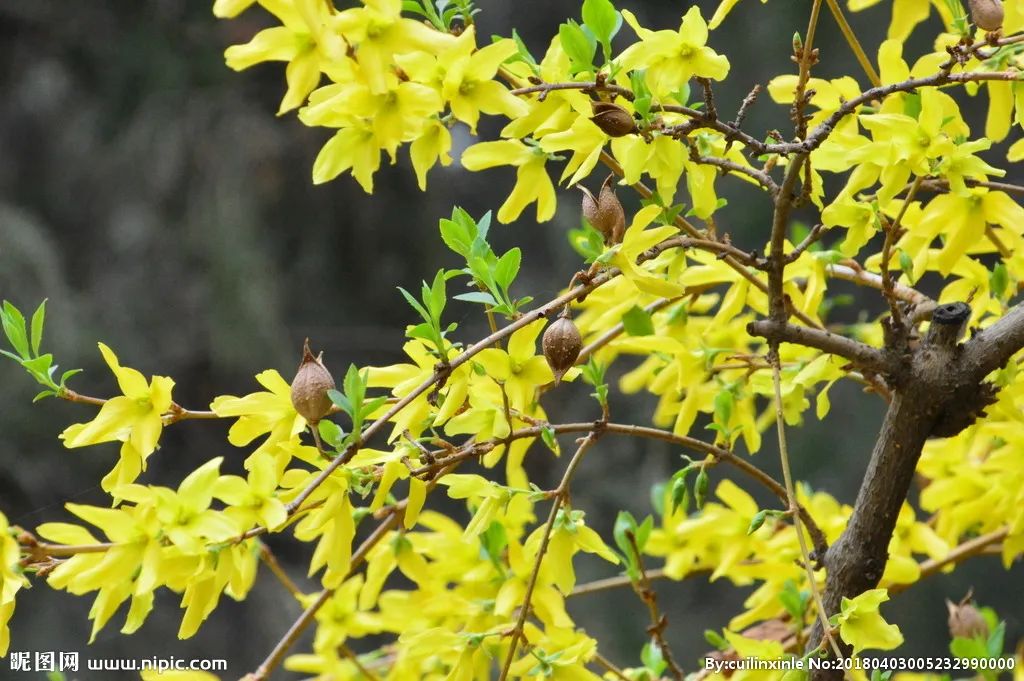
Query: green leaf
point(907, 266)
point(477, 297)
point(603, 21)
point(653, 658)
point(14, 326)
point(577, 45)
point(643, 532)
point(524, 53)
point(331, 433)
point(45, 393)
point(994, 645)
point(493, 542)
point(587, 241)
point(68, 374)
point(459, 232)
point(999, 280)
point(37, 326)
point(715, 639)
point(547, 434)
point(724, 402)
point(508, 267)
point(637, 322)
point(624, 522)
point(422, 311)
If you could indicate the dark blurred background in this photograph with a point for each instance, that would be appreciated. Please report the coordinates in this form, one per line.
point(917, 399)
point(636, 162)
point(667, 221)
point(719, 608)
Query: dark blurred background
point(152, 196)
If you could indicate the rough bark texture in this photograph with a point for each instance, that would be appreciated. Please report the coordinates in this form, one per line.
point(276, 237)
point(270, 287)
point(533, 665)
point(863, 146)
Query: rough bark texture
point(937, 393)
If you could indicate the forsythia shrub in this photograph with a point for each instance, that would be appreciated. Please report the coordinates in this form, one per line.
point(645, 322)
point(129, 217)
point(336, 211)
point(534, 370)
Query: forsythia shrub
point(730, 334)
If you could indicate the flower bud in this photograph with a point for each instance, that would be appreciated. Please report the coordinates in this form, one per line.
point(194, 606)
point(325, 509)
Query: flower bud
point(965, 621)
point(605, 213)
point(987, 14)
point(310, 386)
point(614, 120)
point(562, 344)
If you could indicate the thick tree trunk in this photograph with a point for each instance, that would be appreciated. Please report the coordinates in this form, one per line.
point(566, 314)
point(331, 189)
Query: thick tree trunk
point(933, 396)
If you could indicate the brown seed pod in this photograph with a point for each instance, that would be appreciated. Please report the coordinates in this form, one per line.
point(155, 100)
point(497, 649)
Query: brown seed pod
point(310, 386)
point(605, 212)
point(987, 14)
point(562, 344)
point(965, 621)
point(614, 120)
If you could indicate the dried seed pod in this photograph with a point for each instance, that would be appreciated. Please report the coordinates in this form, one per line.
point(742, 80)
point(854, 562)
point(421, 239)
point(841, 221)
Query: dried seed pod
point(965, 621)
point(987, 14)
point(605, 212)
point(612, 119)
point(562, 344)
point(310, 386)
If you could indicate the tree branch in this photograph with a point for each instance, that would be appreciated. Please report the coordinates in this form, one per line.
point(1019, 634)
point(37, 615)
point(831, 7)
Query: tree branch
point(861, 354)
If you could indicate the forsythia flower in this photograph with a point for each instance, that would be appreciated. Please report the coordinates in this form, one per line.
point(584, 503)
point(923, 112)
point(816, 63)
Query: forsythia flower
point(307, 38)
point(465, 77)
point(134, 418)
point(673, 57)
point(258, 413)
point(532, 181)
point(379, 31)
point(11, 580)
point(861, 625)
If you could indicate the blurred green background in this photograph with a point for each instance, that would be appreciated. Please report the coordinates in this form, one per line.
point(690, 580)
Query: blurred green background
point(152, 196)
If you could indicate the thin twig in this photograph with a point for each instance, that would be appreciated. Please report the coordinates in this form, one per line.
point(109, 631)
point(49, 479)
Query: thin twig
point(610, 583)
point(851, 39)
point(642, 587)
point(561, 493)
point(270, 560)
point(610, 666)
point(793, 506)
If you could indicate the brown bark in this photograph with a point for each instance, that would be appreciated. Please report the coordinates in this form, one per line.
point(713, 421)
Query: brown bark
point(938, 391)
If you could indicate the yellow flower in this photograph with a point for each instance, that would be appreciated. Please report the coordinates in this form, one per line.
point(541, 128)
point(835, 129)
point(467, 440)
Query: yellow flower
point(532, 181)
point(307, 38)
point(638, 239)
point(379, 31)
point(520, 369)
point(396, 114)
point(403, 378)
point(133, 418)
point(465, 77)
point(253, 500)
point(673, 57)
point(270, 411)
point(862, 626)
point(11, 580)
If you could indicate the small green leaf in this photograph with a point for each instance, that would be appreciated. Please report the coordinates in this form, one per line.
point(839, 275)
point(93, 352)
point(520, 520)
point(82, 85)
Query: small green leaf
point(37, 326)
point(547, 434)
point(907, 266)
point(999, 280)
point(715, 639)
point(603, 21)
point(508, 267)
point(637, 322)
point(477, 297)
point(653, 658)
point(14, 326)
point(331, 433)
point(577, 45)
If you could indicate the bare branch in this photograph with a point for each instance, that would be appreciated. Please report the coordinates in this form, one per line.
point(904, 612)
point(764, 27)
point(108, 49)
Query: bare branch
point(861, 354)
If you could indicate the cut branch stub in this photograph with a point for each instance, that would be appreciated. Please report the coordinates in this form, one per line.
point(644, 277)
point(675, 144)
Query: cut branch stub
point(948, 323)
